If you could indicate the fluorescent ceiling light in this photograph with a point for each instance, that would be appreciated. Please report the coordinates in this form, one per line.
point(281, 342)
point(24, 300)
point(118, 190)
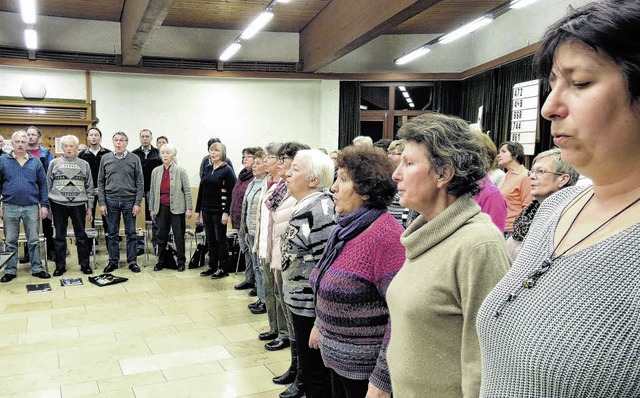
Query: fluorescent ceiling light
point(31, 39)
point(283, 1)
point(406, 94)
point(402, 88)
point(257, 25)
point(415, 54)
point(466, 29)
point(521, 3)
point(230, 51)
point(412, 105)
point(28, 11)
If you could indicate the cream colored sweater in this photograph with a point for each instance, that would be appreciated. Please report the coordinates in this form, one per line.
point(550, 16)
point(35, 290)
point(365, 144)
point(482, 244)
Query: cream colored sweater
point(453, 262)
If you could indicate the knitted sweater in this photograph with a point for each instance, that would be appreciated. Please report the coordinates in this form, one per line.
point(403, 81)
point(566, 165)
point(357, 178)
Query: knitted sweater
point(576, 332)
point(244, 178)
point(302, 245)
point(351, 309)
point(69, 182)
point(453, 261)
point(215, 189)
point(23, 185)
point(120, 179)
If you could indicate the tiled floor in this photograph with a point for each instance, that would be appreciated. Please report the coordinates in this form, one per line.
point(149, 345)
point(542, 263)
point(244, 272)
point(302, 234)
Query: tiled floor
point(161, 334)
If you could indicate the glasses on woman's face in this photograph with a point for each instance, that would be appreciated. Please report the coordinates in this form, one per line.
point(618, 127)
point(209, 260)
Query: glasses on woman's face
point(247, 157)
point(281, 159)
point(540, 172)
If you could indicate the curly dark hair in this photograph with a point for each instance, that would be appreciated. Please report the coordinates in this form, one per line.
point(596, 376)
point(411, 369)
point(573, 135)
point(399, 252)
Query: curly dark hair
point(370, 170)
point(448, 141)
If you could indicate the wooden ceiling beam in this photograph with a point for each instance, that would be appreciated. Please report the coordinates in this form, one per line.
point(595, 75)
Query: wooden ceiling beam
point(344, 25)
point(140, 20)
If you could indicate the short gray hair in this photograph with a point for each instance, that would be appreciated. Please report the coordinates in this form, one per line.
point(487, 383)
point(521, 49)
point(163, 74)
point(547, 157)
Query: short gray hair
point(273, 148)
point(319, 165)
point(170, 147)
point(364, 140)
point(19, 133)
point(71, 138)
point(558, 165)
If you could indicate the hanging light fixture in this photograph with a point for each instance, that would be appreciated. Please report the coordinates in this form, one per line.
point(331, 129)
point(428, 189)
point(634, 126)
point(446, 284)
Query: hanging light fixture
point(415, 54)
point(466, 29)
point(257, 24)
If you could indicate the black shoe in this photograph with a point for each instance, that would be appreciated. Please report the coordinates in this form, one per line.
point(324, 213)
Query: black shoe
point(134, 268)
point(261, 309)
point(267, 336)
point(277, 344)
point(180, 268)
point(207, 272)
point(294, 391)
point(42, 275)
point(286, 378)
point(86, 270)
point(253, 292)
point(24, 260)
point(244, 285)
point(7, 278)
point(220, 273)
point(112, 266)
point(59, 271)
point(157, 268)
point(254, 305)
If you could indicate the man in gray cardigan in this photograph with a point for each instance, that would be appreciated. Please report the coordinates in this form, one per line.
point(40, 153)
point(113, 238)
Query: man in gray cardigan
point(70, 188)
point(120, 191)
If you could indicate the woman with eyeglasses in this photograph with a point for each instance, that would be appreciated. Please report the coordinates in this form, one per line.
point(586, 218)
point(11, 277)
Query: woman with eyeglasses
point(564, 321)
point(515, 185)
point(548, 175)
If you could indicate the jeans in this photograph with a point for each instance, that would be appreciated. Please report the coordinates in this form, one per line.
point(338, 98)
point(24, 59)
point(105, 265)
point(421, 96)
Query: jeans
point(216, 233)
point(165, 220)
point(30, 216)
point(316, 377)
point(61, 215)
point(114, 209)
point(257, 269)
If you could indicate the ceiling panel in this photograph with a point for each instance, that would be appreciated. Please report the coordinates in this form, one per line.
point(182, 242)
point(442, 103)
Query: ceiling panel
point(445, 16)
point(102, 10)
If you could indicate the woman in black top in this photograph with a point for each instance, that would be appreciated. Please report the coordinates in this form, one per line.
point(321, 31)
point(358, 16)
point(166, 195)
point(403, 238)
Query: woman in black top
point(212, 207)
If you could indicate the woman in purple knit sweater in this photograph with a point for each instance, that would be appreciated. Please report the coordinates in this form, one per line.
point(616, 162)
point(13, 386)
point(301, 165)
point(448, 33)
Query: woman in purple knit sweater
point(350, 282)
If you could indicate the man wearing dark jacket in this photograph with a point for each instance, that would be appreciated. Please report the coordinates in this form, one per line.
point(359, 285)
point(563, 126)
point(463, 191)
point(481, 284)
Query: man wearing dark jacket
point(150, 159)
point(92, 155)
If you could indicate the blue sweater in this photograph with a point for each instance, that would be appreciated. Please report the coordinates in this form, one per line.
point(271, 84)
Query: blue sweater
point(23, 185)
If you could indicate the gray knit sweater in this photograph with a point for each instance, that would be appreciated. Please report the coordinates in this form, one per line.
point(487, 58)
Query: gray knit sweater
point(576, 333)
point(120, 179)
point(69, 182)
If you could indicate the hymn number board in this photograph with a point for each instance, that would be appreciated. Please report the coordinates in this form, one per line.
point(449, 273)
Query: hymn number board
point(525, 113)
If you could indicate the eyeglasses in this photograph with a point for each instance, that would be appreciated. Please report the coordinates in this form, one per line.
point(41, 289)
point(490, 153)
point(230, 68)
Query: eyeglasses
point(395, 153)
point(247, 157)
point(281, 159)
point(540, 172)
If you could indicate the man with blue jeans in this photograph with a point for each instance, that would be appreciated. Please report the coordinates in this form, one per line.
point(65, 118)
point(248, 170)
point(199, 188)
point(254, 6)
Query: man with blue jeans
point(23, 188)
point(120, 191)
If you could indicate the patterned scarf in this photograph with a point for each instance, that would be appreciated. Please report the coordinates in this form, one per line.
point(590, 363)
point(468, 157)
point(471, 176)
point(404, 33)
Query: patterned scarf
point(348, 228)
point(275, 199)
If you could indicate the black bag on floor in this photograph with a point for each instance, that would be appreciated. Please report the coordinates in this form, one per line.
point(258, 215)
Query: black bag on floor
point(234, 254)
point(170, 258)
point(198, 258)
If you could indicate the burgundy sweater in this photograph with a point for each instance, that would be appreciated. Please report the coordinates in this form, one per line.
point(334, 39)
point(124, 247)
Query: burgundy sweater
point(351, 308)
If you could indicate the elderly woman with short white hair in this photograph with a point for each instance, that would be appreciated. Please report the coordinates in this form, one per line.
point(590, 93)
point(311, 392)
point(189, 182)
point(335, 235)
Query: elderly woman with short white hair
point(302, 244)
point(169, 202)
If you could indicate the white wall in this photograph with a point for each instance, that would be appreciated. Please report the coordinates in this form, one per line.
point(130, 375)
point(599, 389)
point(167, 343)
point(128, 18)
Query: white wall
point(190, 110)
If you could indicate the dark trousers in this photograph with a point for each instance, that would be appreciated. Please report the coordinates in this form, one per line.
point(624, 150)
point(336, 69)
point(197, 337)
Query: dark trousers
point(47, 231)
point(96, 210)
point(316, 377)
point(342, 387)
point(61, 215)
point(216, 233)
point(166, 221)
